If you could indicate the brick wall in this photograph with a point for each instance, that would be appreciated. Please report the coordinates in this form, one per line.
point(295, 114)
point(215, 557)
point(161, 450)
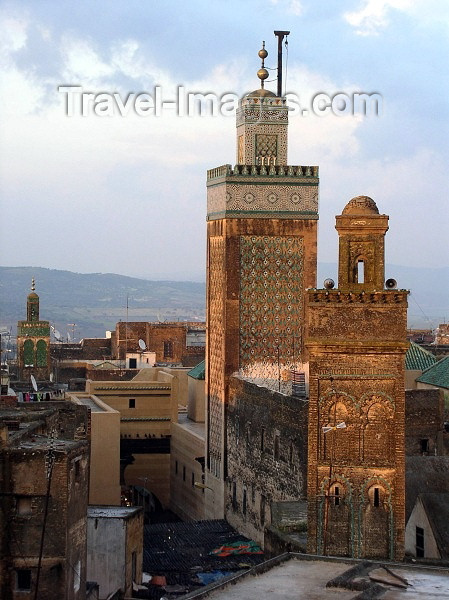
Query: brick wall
point(424, 422)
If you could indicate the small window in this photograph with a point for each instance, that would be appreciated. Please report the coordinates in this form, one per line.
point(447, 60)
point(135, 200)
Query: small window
point(376, 499)
point(262, 509)
point(360, 271)
point(132, 403)
point(277, 443)
point(24, 505)
point(77, 467)
point(134, 566)
point(193, 479)
point(337, 496)
point(168, 349)
point(183, 473)
point(424, 444)
point(176, 467)
point(23, 579)
point(420, 542)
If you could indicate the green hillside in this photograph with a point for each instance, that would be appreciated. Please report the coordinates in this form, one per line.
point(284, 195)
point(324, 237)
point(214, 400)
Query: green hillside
point(95, 302)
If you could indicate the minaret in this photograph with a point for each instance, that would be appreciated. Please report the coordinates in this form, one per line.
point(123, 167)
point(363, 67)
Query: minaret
point(261, 256)
point(33, 341)
point(356, 338)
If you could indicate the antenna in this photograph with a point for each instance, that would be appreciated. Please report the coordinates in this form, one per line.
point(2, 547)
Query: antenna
point(280, 36)
point(33, 383)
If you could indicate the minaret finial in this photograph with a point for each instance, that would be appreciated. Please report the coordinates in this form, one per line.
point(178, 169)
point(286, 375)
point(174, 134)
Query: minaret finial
point(33, 284)
point(262, 73)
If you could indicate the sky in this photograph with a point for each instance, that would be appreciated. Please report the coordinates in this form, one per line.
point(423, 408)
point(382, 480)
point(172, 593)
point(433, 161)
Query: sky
point(122, 192)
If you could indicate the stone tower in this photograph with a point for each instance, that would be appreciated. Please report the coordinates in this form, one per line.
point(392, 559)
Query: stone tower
point(261, 256)
point(356, 339)
point(33, 342)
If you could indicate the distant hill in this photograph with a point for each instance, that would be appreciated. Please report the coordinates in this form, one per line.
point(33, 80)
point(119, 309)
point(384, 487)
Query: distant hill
point(95, 302)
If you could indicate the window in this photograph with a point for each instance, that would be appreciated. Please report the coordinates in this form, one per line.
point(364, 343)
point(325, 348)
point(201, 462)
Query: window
point(24, 505)
point(134, 566)
point(424, 444)
point(360, 271)
point(133, 363)
point(132, 403)
point(277, 443)
point(376, 499)
point(262, 510)
point(420, 542)
point(337, 495)
point(168, 349)
point(176, 467)
point(23, 579)
point(193, 479)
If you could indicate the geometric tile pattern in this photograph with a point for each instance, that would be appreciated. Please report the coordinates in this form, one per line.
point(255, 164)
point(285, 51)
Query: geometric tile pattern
point(271, 303)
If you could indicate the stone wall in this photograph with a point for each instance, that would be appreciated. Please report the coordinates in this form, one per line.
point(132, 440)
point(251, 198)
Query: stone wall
point(266, 454)
point(424, 422)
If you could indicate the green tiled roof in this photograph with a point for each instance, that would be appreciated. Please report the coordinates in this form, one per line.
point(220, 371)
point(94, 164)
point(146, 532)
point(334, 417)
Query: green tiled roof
point(437, 374)
point(198, 372)
point(418, 359)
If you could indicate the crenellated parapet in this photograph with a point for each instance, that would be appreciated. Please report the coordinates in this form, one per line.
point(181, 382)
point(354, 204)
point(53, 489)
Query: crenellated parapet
point(264, 169)
point(340, 297)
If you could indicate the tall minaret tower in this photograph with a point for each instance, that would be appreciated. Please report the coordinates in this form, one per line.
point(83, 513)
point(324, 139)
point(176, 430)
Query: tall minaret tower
point(33, 342)
point(261, 256)
point(356, 338)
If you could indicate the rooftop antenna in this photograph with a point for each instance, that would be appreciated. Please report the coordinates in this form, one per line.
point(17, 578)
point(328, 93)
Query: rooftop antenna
point(280, 36)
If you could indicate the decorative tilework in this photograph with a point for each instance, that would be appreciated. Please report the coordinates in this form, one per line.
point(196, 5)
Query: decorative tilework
point(266, 145)
point(215, 382)
point(272, 197)
point(271, 302)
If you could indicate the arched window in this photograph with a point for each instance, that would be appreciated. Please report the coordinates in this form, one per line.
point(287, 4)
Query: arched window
point(28, 353)
point(360, 271)
point(41, 353)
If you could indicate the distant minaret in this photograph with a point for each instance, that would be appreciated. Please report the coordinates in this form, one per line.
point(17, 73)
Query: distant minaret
point(33, 341)
point(261, 256)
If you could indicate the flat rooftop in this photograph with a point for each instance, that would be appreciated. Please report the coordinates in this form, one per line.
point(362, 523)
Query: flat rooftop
point(297, 579)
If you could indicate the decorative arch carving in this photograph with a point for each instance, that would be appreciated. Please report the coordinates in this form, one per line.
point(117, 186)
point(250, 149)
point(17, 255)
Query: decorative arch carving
point(377, 429)
point(28, 353)
point(376, 519)
point(336, 520)
point(41, 353)
point(338, 445)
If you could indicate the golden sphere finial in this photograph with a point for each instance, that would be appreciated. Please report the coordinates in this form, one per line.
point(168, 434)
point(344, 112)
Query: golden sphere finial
point(262, 73)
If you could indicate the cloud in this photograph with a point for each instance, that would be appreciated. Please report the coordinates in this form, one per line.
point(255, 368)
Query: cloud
point(373, 15)
point(294, 7)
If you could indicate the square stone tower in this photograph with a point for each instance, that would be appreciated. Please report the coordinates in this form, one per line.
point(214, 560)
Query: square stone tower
point(261, 256)
point(356, 339)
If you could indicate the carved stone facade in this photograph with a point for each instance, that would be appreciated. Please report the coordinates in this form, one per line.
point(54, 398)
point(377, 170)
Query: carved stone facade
point(262, 242)
point(356, 338)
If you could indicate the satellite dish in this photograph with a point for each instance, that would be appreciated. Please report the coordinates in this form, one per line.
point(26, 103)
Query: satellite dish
point(69, 338)
point(142, 345)
point(57, 335)
point(51, 376)
point(33, 383)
